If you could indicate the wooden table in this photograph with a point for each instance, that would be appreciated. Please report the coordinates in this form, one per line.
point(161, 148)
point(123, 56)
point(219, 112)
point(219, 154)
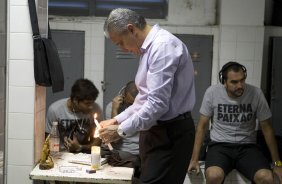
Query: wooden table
point(65, 171)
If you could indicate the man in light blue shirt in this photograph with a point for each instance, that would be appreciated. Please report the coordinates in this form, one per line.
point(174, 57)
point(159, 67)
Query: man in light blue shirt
point(161, 110)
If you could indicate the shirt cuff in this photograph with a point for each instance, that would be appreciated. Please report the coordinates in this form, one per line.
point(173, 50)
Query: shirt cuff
point(126, 128)
point(119, 118)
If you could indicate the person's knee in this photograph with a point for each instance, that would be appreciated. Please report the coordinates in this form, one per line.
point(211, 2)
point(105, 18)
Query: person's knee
point(214, 175)
point(263, 176)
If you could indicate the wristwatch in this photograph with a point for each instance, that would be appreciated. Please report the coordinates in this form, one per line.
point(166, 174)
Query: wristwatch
point(120, 132)
point(278, 163)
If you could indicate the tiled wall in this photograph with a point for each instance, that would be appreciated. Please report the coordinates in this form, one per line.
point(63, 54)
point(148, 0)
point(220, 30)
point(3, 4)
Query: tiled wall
point(242, 12)
point(22, 93)
point(242, 35)
point(192, 12)
point(243, 44)
point(3, 49)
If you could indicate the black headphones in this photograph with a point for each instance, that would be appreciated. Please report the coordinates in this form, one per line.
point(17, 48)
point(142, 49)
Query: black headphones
point(223, 72)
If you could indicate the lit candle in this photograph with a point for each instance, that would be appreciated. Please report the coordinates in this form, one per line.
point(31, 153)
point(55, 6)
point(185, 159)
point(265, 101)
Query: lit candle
point(99, 126)
point(96, 122)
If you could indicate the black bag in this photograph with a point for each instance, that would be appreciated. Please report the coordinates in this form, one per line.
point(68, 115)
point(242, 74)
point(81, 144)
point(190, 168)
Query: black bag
point(47, 66)
point(115, 158)
point(41, 68)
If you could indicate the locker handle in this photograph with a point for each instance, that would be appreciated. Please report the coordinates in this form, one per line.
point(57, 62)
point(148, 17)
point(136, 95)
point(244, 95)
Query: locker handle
point(103, 85)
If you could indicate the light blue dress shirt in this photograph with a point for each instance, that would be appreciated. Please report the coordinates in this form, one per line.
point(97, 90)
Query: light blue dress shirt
point(165, 81)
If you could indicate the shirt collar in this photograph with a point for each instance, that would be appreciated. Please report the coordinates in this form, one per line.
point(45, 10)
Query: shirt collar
point(150, 37)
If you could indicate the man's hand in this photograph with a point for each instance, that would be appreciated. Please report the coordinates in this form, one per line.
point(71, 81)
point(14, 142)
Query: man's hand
point(108, 122)
point(117, 101)
point(194, 167)
point(72, 145)
point(109, 134)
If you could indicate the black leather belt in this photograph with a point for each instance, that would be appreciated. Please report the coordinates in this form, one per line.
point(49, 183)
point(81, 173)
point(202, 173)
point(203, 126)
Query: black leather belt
point(183, 116)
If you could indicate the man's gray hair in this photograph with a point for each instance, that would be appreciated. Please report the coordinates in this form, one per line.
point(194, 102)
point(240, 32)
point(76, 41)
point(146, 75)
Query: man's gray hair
point(119, 18)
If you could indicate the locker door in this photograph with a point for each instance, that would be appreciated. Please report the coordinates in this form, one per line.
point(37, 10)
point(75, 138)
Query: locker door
point(120, 67)
point(200, 49)
point(70, 45)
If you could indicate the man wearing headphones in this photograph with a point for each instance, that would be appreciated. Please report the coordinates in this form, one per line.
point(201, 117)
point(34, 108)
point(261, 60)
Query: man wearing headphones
point(234, 107)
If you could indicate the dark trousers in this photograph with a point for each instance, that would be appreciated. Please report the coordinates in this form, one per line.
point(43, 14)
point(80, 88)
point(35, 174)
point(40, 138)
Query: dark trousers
point(165, 152)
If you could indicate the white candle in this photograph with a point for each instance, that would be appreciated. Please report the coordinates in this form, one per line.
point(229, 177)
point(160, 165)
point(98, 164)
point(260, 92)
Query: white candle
point(95, 157)
point(96, 122)
point(99, 126)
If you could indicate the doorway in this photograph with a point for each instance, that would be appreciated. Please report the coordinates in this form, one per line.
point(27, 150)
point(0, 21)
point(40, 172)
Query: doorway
point(273, 95)
point(276, 85)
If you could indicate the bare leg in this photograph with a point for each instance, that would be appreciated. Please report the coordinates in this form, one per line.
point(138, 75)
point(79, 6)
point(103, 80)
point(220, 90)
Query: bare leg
point(214, 175)
point(263, 176)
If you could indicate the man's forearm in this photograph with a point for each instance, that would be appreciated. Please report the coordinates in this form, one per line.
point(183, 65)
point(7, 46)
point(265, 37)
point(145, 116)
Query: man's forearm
point(272, 146)
point(114, 113)
point(199, 139)
point(197, 145)
point(270, 141)
point(114, 110)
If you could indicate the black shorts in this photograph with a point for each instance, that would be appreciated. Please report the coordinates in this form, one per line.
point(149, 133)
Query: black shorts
point(245, 158)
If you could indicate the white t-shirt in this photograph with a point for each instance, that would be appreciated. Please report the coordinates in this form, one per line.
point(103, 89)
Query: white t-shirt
point(234, 119)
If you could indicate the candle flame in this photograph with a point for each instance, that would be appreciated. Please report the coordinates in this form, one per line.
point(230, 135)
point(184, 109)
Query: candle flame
point(95, 115)
point(96, 132)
